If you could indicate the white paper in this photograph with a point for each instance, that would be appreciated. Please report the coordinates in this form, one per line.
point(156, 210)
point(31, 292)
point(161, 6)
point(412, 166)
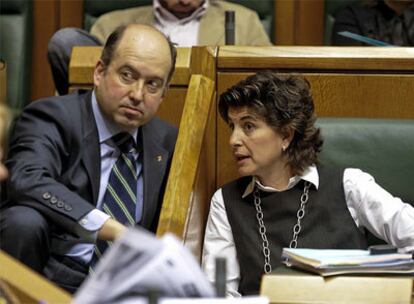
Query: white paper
point(138, 263)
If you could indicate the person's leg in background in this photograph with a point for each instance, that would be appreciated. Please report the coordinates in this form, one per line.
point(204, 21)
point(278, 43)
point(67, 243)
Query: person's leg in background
point(59, 51)
point(25, 235)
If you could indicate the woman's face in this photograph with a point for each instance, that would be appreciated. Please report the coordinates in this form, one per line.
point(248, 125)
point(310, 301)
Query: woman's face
point(257, 148)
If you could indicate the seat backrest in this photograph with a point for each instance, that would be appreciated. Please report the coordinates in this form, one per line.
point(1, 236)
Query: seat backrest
point(16, 19)
point(265, 10)
point(331, 7)
point(383, 148)
point(94, 8)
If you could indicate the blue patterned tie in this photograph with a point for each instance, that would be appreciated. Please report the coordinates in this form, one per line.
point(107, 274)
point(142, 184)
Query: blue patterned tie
point(120, 198)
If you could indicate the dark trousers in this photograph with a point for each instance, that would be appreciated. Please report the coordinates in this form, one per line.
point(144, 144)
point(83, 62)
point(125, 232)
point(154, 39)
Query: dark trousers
point(26, 235)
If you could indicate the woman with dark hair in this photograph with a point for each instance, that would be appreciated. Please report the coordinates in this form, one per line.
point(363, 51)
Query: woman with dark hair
point(285, 198)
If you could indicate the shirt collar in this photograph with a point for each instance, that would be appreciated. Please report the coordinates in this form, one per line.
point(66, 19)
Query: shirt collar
point(310, 175)
point(163, 15)
point(106, 128)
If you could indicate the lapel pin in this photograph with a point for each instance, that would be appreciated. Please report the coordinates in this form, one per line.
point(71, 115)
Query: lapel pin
point(159, 158)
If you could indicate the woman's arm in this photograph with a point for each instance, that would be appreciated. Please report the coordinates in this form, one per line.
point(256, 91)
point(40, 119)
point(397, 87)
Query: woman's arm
point(372, 207)
point(218, 242)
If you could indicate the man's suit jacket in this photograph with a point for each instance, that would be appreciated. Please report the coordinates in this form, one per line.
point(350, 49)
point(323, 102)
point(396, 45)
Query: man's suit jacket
point(249, 30)
point(54, 161)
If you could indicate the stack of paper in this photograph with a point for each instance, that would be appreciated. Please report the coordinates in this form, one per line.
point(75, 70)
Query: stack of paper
point(139, 264)
point(332, 262)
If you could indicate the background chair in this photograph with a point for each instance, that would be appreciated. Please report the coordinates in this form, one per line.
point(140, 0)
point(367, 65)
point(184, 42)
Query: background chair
point(383, 148)
point(331, 7)
point(16, 23)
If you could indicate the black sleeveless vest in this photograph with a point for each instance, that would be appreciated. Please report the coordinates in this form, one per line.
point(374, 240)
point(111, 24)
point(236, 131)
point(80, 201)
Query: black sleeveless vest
point(327, 223)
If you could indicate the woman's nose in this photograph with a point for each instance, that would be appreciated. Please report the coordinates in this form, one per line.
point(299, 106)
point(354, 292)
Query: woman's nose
point(234, 138)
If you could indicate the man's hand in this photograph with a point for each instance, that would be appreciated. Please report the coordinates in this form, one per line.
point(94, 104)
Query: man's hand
point(111, 230)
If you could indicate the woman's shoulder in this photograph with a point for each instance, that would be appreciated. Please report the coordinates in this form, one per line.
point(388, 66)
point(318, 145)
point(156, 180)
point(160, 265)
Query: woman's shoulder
point(244, 180)
point(237, 186)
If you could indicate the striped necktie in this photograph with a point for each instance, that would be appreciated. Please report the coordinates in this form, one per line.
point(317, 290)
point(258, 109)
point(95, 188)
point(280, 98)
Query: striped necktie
point(120, 198)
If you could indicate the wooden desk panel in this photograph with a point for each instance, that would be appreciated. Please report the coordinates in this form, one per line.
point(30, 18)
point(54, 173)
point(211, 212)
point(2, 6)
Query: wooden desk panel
point(323, 58)
point(305, 288)
point(28, 285)
point(172, 106)
point(183, 173)
point(84, 59)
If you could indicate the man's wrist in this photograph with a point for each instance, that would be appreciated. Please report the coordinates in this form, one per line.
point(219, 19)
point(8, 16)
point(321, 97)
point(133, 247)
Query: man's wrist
point(111, 230)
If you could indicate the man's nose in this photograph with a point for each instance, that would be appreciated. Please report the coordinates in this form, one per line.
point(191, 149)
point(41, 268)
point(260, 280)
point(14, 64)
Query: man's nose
point(137, 92)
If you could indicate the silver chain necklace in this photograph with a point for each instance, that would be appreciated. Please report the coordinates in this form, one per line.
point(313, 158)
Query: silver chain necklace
point(262, 228)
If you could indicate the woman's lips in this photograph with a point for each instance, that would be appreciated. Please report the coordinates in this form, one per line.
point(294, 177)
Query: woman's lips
point(240, 159)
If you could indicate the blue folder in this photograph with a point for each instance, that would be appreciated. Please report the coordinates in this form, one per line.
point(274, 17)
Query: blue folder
point(364, 39)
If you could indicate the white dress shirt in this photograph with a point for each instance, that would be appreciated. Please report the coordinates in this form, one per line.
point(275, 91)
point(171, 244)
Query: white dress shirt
point(371, 207)
point(95, 219)
point(183, 32)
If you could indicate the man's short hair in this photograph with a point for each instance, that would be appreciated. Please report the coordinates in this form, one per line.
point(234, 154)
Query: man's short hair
point(116, 36)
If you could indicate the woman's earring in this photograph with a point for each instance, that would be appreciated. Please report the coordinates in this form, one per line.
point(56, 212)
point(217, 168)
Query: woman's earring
point(283, 148)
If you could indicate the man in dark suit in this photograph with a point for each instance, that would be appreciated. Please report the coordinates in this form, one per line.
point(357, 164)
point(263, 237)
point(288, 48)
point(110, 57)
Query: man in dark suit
point(63, 155)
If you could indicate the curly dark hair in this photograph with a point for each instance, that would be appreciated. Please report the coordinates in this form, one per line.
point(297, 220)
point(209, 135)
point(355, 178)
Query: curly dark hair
point(284, 101)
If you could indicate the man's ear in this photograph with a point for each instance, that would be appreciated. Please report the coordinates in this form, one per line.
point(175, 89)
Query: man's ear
point(167, 86)
point(98, 73)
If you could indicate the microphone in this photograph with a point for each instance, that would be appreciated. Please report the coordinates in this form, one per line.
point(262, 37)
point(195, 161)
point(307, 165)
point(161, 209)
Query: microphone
point(229, 28)
point(221, 277)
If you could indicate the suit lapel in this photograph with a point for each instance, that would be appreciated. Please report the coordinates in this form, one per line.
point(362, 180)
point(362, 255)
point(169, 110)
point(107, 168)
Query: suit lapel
point(91, 149)
point(211, 30)
point(155, 159)
point(146, 16)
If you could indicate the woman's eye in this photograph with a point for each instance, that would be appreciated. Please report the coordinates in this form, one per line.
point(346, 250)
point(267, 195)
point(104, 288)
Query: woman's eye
point(231, 126)
point(248, 127)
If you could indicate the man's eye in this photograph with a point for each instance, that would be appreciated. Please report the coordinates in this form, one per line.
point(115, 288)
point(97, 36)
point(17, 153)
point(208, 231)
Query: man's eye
point(126, 75)
point(231, 126)
point(153, 86)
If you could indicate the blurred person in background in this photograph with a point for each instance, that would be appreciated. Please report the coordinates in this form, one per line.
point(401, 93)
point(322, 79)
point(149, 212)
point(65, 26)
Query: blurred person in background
point(185, 22)
point(390, 21)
